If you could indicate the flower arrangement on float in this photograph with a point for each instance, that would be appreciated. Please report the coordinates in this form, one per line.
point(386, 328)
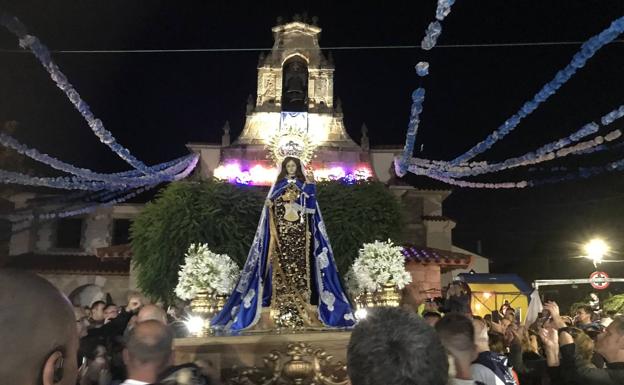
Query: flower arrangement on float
point(206, 271)
point(206, 279)
point(377, 275)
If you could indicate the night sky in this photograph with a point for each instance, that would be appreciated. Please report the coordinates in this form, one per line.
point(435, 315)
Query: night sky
point(154, 103)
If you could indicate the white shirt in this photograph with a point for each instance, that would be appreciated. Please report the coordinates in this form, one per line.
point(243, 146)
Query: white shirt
point(134, 382)
point(457, 381)
point(484, 374)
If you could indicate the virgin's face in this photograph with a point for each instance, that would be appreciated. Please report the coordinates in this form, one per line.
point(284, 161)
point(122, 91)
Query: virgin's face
point(291, 167)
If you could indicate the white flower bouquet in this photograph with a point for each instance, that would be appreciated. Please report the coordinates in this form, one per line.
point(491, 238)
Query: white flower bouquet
point(378, 264)
point(204, 270)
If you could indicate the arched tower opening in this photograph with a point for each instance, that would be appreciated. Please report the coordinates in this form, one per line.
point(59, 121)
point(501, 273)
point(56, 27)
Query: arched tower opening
point(295, 85)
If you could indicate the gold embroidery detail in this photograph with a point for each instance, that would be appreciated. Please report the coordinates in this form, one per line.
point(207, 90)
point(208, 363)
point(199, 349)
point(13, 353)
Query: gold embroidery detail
point(290, 261)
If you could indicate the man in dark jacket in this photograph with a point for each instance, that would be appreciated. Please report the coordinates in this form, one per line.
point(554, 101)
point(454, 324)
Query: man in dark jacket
point(609, 344)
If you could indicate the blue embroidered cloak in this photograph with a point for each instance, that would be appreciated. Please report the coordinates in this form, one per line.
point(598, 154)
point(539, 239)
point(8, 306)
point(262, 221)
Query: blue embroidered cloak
point(253, 290)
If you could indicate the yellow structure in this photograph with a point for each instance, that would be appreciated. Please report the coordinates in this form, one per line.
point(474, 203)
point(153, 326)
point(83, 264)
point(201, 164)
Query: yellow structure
point(490, 291)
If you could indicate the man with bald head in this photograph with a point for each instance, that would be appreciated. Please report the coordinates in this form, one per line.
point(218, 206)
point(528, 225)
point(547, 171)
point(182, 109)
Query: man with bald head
point(38, 332)
point(152, 312)
point(148, 352)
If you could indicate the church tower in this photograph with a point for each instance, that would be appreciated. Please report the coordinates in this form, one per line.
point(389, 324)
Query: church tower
point(296, 81)
point(295, 90)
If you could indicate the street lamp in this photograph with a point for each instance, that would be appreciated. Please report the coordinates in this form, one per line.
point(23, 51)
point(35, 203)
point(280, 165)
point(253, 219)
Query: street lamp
point(595, 250)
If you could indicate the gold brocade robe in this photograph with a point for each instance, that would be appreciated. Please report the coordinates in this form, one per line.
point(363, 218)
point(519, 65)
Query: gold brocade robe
point(289, 253)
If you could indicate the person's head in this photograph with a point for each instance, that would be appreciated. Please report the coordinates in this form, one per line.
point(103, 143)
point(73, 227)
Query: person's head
point(135, 299)
point(97, 311)
point(584, 347)
point(454, 289)
point(393, 347)
point(528, 339)
point(481, 339)
point(610, 344)
point(496, 342)
point(457, 335)
point(431, 317)
point(291, 166)
point(153, 313)
point(111, 311)
point(510, 314)
point(584, 314)
point(148, 351)
point(37, 353)
point(82, 321)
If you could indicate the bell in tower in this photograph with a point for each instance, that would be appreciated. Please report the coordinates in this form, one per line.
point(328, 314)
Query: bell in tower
point(295, 85)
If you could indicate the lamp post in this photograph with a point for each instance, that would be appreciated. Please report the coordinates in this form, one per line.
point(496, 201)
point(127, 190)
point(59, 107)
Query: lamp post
point(595, 250)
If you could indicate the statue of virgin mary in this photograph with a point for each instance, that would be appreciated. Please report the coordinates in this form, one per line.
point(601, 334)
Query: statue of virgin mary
point(290, 271)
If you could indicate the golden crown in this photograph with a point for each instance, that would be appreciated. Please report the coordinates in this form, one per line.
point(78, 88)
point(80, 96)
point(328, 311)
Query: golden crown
point(291, 141)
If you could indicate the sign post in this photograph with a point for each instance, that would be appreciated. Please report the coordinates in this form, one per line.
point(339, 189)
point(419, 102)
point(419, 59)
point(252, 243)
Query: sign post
point(599, 280)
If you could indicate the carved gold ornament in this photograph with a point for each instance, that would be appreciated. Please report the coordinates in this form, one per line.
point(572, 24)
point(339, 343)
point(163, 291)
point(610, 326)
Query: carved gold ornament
point(300, 364)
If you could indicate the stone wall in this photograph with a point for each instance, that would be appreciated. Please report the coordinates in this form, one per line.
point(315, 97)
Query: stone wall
point(426, 283)
point(98, 230)
point(45, 236)
point(116, 285)
point(439, 233)
point(477, 263)
point(415, 231)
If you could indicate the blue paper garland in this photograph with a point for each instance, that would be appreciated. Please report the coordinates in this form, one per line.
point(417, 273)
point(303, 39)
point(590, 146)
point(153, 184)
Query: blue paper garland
point(106, 186)
point(550, 151)
point(43, 54)
point(418, 97)
point(73, 183)
point(588, 49)
point(116, 178)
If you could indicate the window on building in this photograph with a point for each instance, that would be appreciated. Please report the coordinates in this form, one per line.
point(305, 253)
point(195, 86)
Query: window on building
point(121, 231)
point(69, 233)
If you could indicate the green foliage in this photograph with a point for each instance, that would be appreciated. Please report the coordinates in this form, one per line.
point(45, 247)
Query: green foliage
point(226, 216)
point(357, 214)
point(614, 303)
point(220, 214)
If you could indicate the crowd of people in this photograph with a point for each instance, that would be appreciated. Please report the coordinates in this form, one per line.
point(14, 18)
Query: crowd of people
point(447, 344)
point(48, 341)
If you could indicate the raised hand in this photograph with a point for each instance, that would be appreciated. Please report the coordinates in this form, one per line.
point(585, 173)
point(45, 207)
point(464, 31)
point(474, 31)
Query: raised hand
point(550, 338)
point(553, 308)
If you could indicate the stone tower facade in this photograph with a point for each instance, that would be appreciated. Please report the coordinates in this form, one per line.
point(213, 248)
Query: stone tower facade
point(296, 43)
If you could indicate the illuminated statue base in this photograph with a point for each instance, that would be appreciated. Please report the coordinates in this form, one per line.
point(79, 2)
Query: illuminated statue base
point(317, 357)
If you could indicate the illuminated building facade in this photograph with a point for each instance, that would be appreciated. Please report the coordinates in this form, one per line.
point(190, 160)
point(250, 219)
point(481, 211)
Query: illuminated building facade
point(295, 91)
point(294, 106)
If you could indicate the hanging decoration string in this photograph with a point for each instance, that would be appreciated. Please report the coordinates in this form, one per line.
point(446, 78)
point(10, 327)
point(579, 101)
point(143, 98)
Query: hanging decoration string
point(19, 223)
point(418, 97)
point(553, 150)
point(116, 178)
point(588, 49)
point(115, 198)
point(43, 54)
point(582, 172)
point(176, 172)
point(433, 32)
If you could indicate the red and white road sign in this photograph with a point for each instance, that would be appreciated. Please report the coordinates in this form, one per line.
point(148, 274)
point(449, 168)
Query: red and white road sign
point(598, 280)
